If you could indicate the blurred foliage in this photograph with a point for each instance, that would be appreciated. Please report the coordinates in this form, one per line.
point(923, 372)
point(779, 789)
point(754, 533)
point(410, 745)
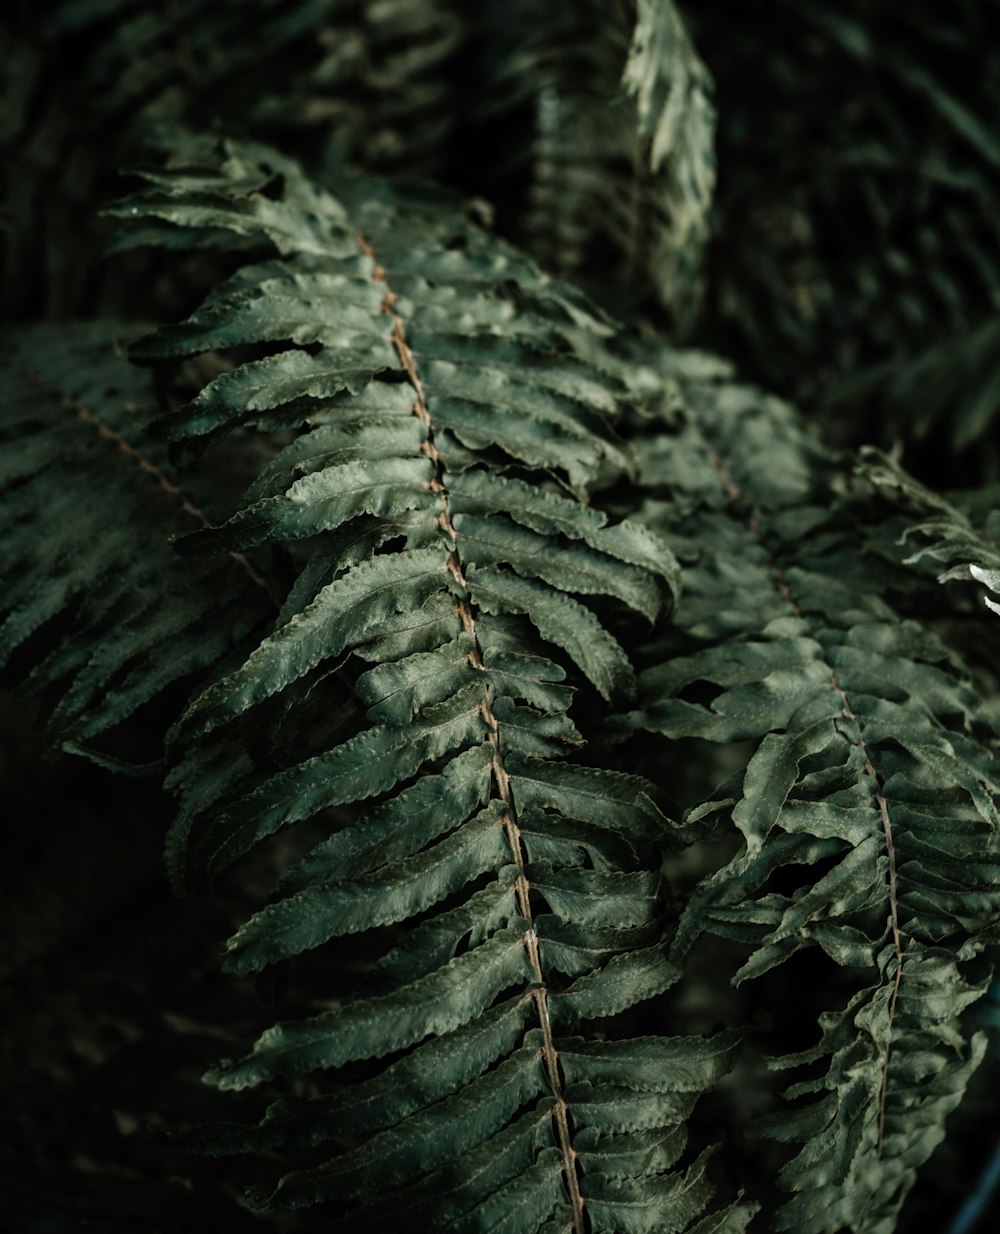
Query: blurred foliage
point(94, 85)
point(856, 222)
point(111, 1027)
point(600, 125)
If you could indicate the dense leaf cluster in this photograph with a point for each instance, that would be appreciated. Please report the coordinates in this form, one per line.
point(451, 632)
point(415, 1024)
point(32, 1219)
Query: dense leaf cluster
point(595, 772)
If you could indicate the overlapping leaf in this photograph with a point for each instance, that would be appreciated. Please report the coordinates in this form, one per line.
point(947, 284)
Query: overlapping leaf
point(90, 507)
point(868, 807)
point(97, 85)
point(450, 407)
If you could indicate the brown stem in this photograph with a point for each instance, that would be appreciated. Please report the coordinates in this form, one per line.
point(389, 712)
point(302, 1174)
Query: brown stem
point(135, 455)
point(733, 492)
point(522, 887)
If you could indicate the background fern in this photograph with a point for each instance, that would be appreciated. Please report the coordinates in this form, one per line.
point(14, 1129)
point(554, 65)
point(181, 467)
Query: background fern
point(853, 225)
point(592, 770)
point(857, 711)
point(602, 120)
point(551, 852)
point(72, 423)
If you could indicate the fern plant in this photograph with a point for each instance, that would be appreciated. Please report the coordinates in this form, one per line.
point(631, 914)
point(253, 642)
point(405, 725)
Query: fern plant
point(857, 711)
point(449, 564)
point(603, 123)
point(596, 772)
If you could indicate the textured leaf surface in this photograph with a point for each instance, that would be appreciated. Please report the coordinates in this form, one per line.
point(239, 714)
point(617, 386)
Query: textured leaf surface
point(457, 595)
point(856, 712)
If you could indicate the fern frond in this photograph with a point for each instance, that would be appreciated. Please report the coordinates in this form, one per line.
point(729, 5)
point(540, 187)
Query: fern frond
point(91, 504)
point(871, 237)
point(97, 86)
point(868, 808)
point(672, 91)
point(942, 542)
point(604, 128)
point(950, 540)
point(528, 881)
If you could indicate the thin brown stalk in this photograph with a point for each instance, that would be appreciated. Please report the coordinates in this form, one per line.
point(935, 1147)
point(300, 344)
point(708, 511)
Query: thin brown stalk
point(500, 776)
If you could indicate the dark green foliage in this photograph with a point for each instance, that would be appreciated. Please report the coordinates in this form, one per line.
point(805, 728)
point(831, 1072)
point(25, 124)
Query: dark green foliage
point(603, 122)
point(951, 391)
point(592, 772)
point(106, 1027)
point(854, 222)
point(873, 766)
point(623, 126)
point(72, 421)
point(97, 85)
point(459, 637)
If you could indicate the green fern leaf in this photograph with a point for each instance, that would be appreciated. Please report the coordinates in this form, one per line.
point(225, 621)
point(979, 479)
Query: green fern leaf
point(93, 505)
point(603, 127)
point(454, 652)
point(872, 758)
